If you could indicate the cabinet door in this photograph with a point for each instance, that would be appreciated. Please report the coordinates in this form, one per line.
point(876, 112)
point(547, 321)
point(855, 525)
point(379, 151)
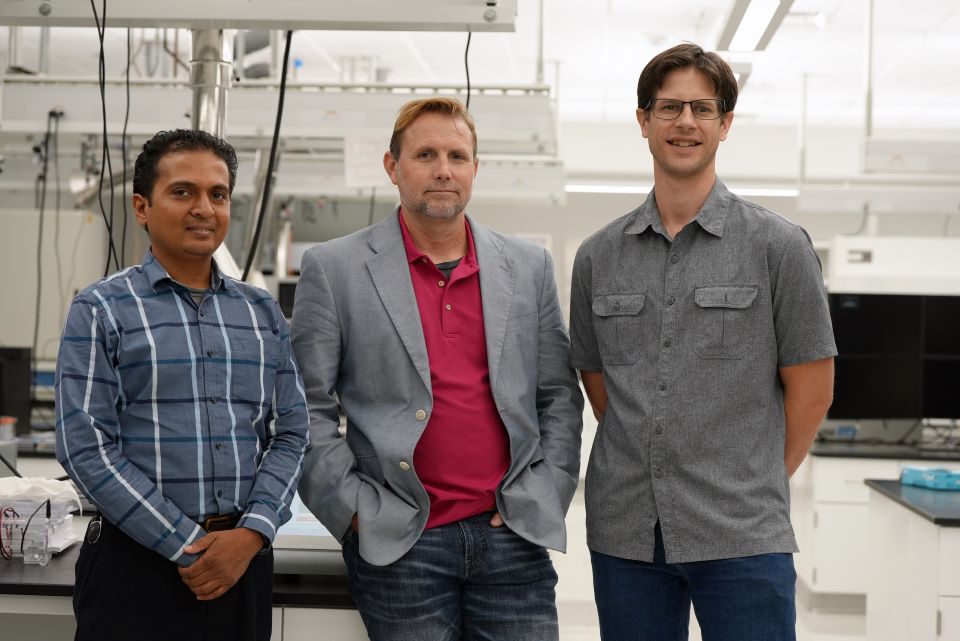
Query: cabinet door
point(949, 624)
point(311, 624)
point(841, 479)
point(840, 548)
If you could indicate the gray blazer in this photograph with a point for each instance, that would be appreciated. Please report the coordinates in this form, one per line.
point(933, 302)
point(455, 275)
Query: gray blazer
point(357, 337)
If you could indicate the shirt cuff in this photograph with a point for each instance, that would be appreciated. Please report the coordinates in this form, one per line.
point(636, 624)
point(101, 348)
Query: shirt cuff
point(261, 520)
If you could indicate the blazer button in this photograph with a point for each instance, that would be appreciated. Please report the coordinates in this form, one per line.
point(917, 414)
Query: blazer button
point(404, 466)
point(421, 415)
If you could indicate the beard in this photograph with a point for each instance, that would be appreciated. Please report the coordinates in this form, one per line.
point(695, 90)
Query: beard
point(444, 210)
point(440, 211)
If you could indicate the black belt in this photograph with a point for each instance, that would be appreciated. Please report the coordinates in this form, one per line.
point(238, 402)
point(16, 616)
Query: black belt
point(220, 522)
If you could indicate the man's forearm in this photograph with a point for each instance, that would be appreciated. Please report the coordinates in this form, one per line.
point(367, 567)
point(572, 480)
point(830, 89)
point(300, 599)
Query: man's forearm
point(596, 392)
point(807, 394)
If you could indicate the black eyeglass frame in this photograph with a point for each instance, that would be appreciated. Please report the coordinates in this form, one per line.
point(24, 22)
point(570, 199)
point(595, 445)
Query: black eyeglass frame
point(719, 101)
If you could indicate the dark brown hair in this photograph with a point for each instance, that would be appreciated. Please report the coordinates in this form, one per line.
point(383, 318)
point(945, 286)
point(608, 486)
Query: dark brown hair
point(685, 55)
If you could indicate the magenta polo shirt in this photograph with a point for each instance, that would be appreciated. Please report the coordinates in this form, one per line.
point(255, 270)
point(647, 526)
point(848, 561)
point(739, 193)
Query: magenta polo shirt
point(464, 451)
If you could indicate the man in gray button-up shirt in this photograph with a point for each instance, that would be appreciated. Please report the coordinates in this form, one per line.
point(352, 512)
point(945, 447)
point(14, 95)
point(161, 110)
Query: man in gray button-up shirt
point(700, 325)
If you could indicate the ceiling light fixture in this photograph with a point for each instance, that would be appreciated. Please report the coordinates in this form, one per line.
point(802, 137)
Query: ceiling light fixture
point(751, 24)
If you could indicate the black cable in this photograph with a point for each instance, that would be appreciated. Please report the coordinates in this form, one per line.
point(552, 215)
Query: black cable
point(863, 222)
point(10, 465)
point(61, 294)
point(123, 151)
point(373, 200)
point(42, 182)
point(27, 526)
point(466, 64)
point(268, 180)
point(6, 551)
point(105, 163)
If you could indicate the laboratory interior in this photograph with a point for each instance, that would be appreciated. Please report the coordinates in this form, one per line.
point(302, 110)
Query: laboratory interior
point(847, 123)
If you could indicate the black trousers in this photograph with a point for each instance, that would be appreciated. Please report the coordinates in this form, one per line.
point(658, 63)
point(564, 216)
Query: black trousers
point(126, 592)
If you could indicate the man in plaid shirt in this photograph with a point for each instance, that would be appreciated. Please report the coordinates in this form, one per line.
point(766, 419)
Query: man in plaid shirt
point(181, 415)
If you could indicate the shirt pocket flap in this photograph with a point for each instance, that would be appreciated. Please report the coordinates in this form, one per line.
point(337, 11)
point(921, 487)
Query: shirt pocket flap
point(729, 297)
point(618, 304)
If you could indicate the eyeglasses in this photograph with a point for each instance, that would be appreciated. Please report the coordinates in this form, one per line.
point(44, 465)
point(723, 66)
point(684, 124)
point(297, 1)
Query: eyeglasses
point(670, 109)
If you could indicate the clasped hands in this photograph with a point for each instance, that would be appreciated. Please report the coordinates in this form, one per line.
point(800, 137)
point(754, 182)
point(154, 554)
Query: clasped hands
point(224, 557)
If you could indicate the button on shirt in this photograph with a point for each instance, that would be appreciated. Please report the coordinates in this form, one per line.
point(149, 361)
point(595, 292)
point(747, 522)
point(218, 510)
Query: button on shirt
point(168, 411)
point(689, 334)
point(464, 450)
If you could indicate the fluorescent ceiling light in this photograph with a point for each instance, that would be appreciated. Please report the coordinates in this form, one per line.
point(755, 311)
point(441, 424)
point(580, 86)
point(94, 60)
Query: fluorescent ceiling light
point(747, 192)
point(751, 24)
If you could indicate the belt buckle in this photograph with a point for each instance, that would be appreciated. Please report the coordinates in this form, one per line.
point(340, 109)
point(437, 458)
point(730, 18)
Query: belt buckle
point(216, 523)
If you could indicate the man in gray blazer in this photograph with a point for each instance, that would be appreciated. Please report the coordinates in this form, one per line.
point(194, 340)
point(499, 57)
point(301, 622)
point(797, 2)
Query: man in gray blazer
point(444, 345)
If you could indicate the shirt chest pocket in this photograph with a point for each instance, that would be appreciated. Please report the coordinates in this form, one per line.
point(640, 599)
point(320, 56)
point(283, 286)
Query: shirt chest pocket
point(617, 320)
point(725, 321)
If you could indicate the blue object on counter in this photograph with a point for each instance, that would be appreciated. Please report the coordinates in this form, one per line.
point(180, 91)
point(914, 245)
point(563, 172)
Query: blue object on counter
point(931, 478)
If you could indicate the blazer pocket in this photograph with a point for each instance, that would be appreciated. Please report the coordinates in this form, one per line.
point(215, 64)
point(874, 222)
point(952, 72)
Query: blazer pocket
point(617, 320)
point(725, 319)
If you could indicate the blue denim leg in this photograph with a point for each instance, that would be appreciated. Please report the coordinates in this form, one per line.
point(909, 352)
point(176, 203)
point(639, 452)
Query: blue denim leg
point(751, 598)
point(416, 598)
point(639, 601)
point(509, 593)
point(465, 580)
point(742, 599)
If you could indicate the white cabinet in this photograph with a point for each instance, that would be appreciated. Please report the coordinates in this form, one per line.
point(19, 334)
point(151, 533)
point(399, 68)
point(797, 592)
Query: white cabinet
point(913, 591)
point(949, 619)
point(829, 512)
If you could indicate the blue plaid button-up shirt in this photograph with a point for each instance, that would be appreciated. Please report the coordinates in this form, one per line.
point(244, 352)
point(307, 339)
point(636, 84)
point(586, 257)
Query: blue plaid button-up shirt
point(169, 411)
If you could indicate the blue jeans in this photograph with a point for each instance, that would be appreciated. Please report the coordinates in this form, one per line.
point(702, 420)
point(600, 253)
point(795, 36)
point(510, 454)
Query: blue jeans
point(743, 599)
point(465, 580)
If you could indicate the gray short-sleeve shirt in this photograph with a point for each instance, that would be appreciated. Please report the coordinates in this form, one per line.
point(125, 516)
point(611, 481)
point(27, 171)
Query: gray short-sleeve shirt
point(689, 335)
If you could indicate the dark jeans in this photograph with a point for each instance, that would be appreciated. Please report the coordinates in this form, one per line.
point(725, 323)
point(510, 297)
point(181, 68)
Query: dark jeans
point(743, 599)
point(125, 591)
point(465, 580)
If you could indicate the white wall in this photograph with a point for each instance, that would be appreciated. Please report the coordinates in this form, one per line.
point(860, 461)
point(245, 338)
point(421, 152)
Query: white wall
point(82, 250)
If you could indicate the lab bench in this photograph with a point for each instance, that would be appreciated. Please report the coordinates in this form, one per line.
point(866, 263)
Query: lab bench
point(309, 593)
point(914, 572)
point(829, 511)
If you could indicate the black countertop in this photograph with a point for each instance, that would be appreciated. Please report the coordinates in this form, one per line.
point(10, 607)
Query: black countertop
point(325, 586)
point(942, 507)
point(881, 450)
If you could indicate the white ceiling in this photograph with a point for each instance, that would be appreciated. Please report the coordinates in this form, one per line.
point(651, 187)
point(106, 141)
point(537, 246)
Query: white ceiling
point(595, 50)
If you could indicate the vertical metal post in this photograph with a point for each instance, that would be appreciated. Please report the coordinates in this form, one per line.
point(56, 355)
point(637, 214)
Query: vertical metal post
point(211, 67)
point(239, 53)
point(540, 47)
point(13, 48)
point(802, 141)
point(43, 60)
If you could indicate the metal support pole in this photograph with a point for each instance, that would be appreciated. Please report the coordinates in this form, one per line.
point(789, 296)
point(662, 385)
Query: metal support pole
point(13, 48)
point(803, 133)
point(43, 60)
point(211, 68)
point(540, 47)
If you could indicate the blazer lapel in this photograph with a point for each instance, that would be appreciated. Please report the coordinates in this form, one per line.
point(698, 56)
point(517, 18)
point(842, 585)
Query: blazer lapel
point(391, 276)
point(498, 277)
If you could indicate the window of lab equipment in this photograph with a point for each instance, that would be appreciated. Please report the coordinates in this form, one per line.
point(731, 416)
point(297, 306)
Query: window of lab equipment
point(899, 356)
